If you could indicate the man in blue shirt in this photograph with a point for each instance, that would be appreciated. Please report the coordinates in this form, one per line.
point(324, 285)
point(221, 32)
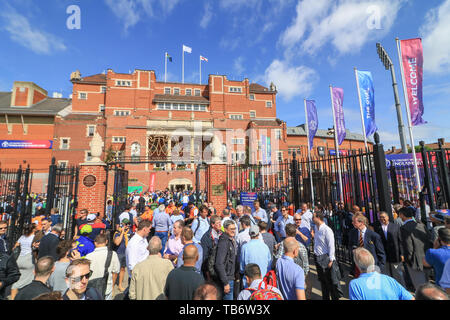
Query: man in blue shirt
point(438, 256)
point(291, 276)
point(201, 224)
point(303, 234)
point(281, 223)
point(259, 214)
point(186, 239)
point(162, 224)
point(255, 251)
point(372, 285)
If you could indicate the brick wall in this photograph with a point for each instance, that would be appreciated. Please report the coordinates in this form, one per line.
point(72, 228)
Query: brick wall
point(218, 176)
point(92, 198)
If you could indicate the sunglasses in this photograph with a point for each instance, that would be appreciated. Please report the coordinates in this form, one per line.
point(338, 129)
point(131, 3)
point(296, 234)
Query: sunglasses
point(297, 219)
point(78, 279)
point(4, 228)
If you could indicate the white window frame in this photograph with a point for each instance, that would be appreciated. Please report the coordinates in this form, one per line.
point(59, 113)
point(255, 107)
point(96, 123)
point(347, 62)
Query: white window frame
point(236, 117)
point(186, 92)
point(252, 112)
point(235, 89)
point(237, 156)
point(103, 89)
point(252, 97)
point(278, 134)
point(117, 113)
point(237, 141)
point(79, 96)
point(268, 104)
point(87, 130)
point(65, 162)
point(123, 83)
point(101, 108)
point(280, 155)
point(175, 91)
point(119, 139)
point(197, 92)
point(61, 143)
point(87, 156)
point(170, 90)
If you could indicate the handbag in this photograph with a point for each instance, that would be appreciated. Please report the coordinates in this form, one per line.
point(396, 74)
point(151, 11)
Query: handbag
point(101, 283)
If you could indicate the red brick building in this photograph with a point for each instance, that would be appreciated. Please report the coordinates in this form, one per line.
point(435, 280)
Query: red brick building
point(169, 125)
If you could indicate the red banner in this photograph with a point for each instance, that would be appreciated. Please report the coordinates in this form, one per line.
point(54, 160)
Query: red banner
point(412, 58)
point(151, 187)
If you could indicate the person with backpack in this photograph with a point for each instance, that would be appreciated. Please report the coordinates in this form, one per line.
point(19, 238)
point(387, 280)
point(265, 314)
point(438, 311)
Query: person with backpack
point(105, 267)
point(258, 288)
point(201, 224)
point(209, 242)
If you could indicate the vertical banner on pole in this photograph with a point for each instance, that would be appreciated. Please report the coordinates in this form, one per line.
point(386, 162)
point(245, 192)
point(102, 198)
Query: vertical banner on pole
point(263, 149)
point(269, 151)
point(367, 101)
point(152, 182)
point(311, 129)
point(412, 64)
point(338, 107)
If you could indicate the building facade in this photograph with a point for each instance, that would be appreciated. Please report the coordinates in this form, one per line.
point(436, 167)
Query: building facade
point(159, 131)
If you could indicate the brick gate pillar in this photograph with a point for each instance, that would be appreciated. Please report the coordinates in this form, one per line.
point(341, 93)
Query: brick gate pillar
point(92, 187)
point(217, 186)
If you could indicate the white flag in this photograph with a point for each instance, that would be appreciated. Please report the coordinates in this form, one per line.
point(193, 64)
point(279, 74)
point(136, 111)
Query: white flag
point(187, 49)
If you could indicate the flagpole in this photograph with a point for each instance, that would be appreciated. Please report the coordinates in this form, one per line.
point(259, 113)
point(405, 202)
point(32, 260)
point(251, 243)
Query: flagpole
point(309, 155)
point(341, 195)
point(361, 109)
point(408, 114)
point(200, 62)
point(165, 68)
point(182, 75)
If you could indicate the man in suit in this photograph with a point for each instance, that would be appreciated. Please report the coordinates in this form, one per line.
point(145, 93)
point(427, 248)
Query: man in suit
point(392, 243)
point(362, 236)
point(415, 241)
point(49, 243)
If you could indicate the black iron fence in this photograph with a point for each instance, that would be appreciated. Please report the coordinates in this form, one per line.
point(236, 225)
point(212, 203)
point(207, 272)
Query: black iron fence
point(62, 193)
point(15, 201)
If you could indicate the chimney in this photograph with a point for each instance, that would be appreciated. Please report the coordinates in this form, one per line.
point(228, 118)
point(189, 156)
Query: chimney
point(26, 94)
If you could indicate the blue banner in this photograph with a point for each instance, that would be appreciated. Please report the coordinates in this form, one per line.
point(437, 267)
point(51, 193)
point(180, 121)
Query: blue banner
point(313, 122)
point(367, 94)
point(26, 144)
point(247, 199)
point(264, 149)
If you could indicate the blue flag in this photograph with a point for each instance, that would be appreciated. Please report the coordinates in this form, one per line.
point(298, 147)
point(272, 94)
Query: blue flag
point(367, 94)
point(313, 122)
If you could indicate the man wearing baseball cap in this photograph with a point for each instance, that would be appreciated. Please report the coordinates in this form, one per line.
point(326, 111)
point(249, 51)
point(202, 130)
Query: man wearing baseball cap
point(438, 220)
point(255, 251)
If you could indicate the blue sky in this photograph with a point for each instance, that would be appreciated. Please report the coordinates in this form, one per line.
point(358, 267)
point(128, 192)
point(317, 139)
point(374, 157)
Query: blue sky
point(303, 46)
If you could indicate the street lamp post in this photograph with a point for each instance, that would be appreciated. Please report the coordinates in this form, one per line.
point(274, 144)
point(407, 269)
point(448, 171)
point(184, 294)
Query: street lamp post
point(387, 62)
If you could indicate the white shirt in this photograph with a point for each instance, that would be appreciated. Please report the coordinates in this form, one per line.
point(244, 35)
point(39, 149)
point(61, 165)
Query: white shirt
point(98, 260)
point(25, 244)
point(363, 231)
point(136, 251)
point(185, 199)
point(385, 228)
point(324, 241)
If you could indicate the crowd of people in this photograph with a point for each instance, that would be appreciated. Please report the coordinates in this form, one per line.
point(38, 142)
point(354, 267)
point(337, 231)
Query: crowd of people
point(164, 245)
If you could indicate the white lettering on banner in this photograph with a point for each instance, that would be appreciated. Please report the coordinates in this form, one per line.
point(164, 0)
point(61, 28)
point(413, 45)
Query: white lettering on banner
point(367, 97)
point(413, 79)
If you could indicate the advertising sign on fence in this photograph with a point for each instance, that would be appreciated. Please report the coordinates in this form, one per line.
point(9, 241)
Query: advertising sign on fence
point(247, 199)
point(402, 160)
point(26, 144)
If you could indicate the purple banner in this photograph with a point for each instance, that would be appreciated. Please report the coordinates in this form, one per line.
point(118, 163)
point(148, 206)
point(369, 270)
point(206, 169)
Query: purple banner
point(338, 106)
point(313, 121)
point(412, 58)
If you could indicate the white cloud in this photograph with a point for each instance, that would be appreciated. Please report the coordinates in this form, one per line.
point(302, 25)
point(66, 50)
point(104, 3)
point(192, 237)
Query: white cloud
point(207, 16)
point(238, 66)
point(21, 31)
point(291, 81)
point(436, 39)
point(429, 133)
point(130, 12)
point(347, 24)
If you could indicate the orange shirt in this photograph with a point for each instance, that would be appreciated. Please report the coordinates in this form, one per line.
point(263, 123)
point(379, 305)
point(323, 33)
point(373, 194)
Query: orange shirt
point(147, 215)
point(38, 219)
point(291, 210)
point(191, 213)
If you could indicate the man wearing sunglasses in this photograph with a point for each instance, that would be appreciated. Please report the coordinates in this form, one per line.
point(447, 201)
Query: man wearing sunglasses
point(77, 279)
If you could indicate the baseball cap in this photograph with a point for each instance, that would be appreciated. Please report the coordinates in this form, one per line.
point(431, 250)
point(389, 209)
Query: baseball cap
point(440, 215)
point(91, 217)
point(254, 231)
point(126, 221)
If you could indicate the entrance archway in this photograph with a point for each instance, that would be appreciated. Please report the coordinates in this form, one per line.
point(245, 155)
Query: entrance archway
point(180, 184)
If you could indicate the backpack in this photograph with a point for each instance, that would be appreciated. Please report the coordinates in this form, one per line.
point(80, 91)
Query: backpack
point(266, 293)
point(100, 284)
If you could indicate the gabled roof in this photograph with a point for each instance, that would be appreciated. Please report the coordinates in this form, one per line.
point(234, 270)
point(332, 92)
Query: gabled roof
point(301, 131)
point(94, 79)
point(48, 106)
point(257, 88)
